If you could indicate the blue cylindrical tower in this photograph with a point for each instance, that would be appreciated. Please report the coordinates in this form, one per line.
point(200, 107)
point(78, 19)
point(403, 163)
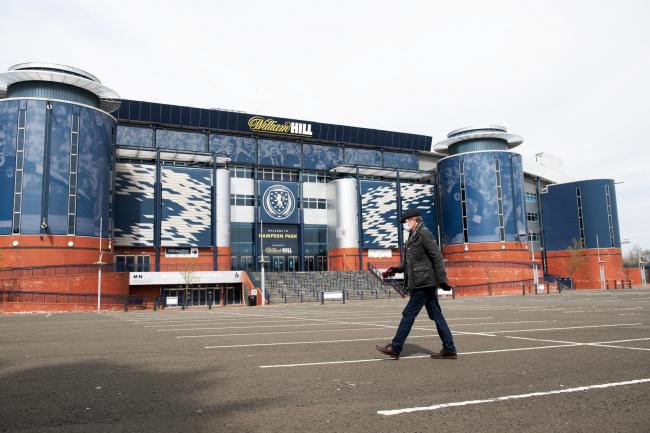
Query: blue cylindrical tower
point(56, 144)
point(481, 187)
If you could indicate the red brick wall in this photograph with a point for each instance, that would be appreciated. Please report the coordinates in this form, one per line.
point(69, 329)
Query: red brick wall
point(112, 284)
point(45, 250)
point(587, 275)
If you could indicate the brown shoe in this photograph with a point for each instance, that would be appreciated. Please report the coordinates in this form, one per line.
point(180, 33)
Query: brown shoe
point(388, 350)
point(444, 354)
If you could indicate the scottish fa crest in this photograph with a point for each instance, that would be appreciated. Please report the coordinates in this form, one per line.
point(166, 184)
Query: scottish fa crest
point(279, 202)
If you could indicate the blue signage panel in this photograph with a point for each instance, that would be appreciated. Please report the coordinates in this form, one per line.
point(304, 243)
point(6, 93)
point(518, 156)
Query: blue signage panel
point(279, 240)
point(279, 202)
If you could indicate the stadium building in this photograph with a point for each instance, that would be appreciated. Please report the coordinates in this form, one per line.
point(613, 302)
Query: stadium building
point(159, 189)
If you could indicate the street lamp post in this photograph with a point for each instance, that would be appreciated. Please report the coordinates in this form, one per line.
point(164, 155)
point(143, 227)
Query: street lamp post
point(99, 268)
point(262, 260)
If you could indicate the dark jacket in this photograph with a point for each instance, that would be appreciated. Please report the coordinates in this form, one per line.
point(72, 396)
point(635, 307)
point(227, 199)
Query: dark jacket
point(423, 265)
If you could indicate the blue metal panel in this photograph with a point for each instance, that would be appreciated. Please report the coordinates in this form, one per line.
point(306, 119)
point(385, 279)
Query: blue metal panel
point(8, 132)
point(319, 157)
point(561, 223)
point(279, 153)
point(135, 137)
point(481, 191)
point(186, 200)
point(93, 184)
point(407, 161)
point(278, 202)
point(379, 214)
point(594, 209)
point(362, 157)
point(560, 216)
point(239, 149)
point(50, 90)
point(57, 218)
point(450, 203)
point(30, 221)
point(478, 145)
point(134, 205)
point(177, 140)
point(170, 115)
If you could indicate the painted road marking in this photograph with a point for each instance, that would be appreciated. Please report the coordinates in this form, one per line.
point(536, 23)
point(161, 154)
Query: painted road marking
point(356, 361)
point(511, 397)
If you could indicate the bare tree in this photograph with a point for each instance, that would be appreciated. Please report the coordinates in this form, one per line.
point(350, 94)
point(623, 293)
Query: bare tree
point(577, 258)
point(189, 277)
point(632, 258)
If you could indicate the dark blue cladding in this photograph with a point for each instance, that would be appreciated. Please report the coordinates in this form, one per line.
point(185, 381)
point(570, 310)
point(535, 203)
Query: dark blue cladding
point(450, 203)
point(177, 116)
point(362, 157)
point(407, 161)
point(60, 168)
point(562, 211)
point(279, 153)
point(8, 132)
point(30, 222)
point(319, 157)
point(93, 191)
point(134, 136)
point(177, 140)
point(493, 191)
point(239, 149)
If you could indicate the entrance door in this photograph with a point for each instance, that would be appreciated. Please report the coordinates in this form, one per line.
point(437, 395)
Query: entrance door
point(293, 264)
point(278, 263)
point(321, 263)
point(309, 263)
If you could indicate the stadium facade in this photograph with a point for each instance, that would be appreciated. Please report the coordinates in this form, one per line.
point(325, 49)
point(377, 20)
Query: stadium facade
point(162, 186)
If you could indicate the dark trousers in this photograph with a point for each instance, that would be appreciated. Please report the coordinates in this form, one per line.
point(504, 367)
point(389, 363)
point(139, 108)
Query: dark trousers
point(427, 298)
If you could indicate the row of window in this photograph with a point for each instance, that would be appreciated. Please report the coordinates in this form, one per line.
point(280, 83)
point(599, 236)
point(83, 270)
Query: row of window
point(131, 263)
point(282, 175)
point(249, 200)
point(531, 197)
point(532, 216)
point(534, 237)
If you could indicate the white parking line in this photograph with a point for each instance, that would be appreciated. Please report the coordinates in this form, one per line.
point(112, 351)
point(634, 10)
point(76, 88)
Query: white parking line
point(568, 327)
point(356, 361)
point(511, 397)
point(325, 324)
point(596, 344)
point(279, 332)
point(290, 343)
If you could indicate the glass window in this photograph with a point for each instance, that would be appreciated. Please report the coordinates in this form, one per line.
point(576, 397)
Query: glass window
point(531, 197)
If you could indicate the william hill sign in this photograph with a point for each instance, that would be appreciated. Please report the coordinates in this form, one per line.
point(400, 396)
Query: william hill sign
point(272, 126)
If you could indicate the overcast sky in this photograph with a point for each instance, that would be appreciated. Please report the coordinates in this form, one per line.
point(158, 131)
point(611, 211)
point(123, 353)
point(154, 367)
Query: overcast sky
point(571, 77)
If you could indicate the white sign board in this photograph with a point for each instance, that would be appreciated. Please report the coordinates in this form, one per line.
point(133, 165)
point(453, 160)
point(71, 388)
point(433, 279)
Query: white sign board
point(181, 252)
point(176, 278)
point(171, 301)
point(253, 292)
point(332, 295)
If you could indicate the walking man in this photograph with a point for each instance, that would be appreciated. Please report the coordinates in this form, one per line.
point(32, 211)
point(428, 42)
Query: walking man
point(424, 270)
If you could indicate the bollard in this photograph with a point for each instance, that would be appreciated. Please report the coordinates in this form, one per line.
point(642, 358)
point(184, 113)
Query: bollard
point(523, 290)
point(126, 305)
point(548, 289)
point(322, 298)
point(301, 297)
point(344, 296)
point(606, 285)
point(155, 303)
point(376, 294)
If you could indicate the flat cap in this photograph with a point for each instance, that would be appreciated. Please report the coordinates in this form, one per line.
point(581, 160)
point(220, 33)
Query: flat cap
point(410, 214)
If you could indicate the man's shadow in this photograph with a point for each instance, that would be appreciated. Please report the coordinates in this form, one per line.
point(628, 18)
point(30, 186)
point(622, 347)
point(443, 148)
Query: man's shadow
point(414, 349)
